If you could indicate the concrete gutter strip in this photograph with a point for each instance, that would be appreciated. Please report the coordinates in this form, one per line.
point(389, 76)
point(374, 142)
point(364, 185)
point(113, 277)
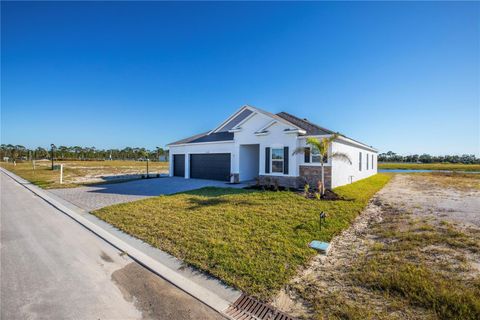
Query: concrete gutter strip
point(204, 295)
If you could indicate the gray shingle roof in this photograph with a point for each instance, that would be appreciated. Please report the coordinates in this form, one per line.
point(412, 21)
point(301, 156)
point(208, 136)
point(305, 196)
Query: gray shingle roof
point(310, 128)
point(205, 137)
point(239, 118)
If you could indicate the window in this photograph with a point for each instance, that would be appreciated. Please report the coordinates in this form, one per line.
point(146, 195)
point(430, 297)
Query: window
point(277, 160)
point(360, 161)
point(372, 161)
point(315, 155)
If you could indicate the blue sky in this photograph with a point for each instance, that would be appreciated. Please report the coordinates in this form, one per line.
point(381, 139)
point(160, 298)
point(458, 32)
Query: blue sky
point(398, 76)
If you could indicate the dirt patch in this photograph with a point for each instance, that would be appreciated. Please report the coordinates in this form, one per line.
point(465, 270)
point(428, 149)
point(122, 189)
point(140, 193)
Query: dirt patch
point(329, 195)
point(451, 197)
point(157, 298)
point(413, 253)
point(105, 257)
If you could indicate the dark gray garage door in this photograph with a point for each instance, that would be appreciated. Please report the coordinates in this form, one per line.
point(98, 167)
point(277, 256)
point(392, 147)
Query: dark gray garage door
point(179, 165)
point(213, 166)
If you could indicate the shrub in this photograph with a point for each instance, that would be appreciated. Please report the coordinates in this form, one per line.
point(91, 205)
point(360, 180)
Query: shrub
point(275, 184)
point(306, 189)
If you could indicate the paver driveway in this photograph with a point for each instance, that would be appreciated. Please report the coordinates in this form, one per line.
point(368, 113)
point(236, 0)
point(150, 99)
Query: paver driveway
point(96, 197)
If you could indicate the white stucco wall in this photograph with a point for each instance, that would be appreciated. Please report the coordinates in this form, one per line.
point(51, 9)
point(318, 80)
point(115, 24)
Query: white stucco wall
point(344, 172)
point(276, 138)
point(249, 162)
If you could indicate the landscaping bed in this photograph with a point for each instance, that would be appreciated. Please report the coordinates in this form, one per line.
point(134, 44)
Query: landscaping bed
point(251, 239)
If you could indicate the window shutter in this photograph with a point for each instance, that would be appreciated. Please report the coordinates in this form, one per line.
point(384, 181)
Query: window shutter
point(285, 160)
point(307, 155)
point(267, 160)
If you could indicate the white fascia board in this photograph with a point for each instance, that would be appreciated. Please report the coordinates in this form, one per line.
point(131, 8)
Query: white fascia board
point(277, 118)
point(356, 143)
point(297, 131)
point(199, 143)
point(344, 139)
point(265, 127)
point(264, 131)
point(317, 136)
point(238, 126)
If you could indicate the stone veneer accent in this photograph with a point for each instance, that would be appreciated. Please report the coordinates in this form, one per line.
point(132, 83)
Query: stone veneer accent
point(308, 174)
point(283, 181)
point(313, 174)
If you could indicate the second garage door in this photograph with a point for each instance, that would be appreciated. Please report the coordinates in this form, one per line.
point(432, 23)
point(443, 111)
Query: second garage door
point(214, 166)
point(179, 165)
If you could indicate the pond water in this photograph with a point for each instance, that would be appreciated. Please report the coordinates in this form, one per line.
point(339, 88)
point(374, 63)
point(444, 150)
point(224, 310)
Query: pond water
point(421, 170)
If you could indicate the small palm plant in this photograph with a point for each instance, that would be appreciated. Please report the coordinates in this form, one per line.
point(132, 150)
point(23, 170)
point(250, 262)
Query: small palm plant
point(322, 146)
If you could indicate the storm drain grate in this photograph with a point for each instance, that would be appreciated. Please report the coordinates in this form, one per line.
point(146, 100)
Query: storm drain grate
point(248, 308)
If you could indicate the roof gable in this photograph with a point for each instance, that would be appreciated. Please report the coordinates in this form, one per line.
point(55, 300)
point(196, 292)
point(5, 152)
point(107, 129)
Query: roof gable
point(237, 118)
point(225, 131)
point(243, 114)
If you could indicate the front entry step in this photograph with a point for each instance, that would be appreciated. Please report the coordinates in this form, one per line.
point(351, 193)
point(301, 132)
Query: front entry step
point(248, 308)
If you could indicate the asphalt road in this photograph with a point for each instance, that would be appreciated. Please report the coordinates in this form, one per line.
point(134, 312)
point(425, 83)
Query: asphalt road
point(53, 268)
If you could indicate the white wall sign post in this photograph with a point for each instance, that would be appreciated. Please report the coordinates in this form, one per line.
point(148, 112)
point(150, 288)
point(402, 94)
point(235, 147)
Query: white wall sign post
point(61, 173)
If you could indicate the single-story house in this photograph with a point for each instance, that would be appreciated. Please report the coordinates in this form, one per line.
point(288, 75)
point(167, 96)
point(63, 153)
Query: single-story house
point(253, 143)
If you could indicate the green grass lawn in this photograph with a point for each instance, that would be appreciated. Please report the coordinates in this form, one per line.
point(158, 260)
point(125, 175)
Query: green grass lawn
point(78, 173)
point(253, 240)
point(431, 166)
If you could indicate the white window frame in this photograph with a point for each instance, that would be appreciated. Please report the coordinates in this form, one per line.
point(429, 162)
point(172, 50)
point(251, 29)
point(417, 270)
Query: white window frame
point(317, 162)
point(278, 160)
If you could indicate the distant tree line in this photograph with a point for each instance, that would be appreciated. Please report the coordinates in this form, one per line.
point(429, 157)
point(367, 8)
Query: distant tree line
point(426, 158)
point(19, 152)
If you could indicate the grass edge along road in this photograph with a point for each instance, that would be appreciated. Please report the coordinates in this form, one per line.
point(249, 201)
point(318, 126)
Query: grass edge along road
point(253, 240)
point(78, 173)
point(429, 166)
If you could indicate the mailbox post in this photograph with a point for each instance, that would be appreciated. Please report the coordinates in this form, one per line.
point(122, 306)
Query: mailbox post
point(52, 146)
point(322, 217)
point(148, 160)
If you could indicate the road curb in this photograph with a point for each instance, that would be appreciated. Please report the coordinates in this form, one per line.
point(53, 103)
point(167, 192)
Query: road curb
point(200, 293)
